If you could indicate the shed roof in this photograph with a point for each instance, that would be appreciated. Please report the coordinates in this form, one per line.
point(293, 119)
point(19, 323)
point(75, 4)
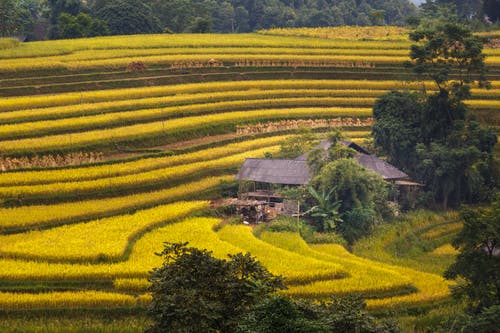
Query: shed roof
point(287, 172)
point(384, 169)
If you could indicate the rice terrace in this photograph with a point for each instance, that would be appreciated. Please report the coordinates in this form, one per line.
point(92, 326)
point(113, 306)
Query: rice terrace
point(112, 146)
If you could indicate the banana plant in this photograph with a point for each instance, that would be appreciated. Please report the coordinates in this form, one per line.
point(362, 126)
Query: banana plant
point(326, 213)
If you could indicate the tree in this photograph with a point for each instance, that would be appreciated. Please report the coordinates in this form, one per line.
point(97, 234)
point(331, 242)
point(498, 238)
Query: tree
point(449, 48)
point(82, 25)
point(346, 314)
point(353, 185)
point(280, 314)
point(356, 189)
point(491, 8)
point(396, 130)
point(195, 292)
point(58, 7)
point(9, 23)
point(434, 138)
point(478, 262)
point(125, 17)
point(32, 23)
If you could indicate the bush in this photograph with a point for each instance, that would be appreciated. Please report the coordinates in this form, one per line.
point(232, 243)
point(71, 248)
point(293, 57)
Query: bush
point(195, 292)
point(357, 223)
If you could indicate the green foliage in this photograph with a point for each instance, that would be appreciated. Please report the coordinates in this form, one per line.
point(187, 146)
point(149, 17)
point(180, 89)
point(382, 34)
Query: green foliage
point(298, 144)
point(358, 222)
point(348, 314)
point(491, 8)
point(81, 25)
point(279, 314)
point(396, 129)
point(353, 185)
point(58, 7)
point(314, 237)
point(437, 141)
point(448, 48)
point(350, 192)
point(9, 23)
point(246, 15)
point(31, 18)
point(318, 157)
point(284, 224)
point(195, 292)
point(125, 17)
point(228, 189)
point(345, 314)
point(325, 213)
point(478, 262)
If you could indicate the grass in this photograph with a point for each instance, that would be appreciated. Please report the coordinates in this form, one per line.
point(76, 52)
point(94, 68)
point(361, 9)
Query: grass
point(406, 242)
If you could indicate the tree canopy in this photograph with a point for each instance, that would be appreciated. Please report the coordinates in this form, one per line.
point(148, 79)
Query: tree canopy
point(434, 138)
point(195, 292)
point(125, 17)
point(353, 198)
point(478, 262)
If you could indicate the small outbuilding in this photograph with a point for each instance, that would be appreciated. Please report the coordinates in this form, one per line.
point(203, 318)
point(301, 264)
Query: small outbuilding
point(263, 173)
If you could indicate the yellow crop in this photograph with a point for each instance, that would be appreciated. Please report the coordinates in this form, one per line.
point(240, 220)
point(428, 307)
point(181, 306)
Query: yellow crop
point(168, 126)
point(67, 300)
point(106, 96)
point(47, 127)
point(129, 285)
point(182, 51)
point(484, 104)
point(183, 99)
point(35, 216)
point(295, 268)
point(119, 43)
point(430, 287)
point(104, 239)
point(442, 230)
point(132, 181)
point(137, 166)
point(344, 33)
point(199, 231)
point(203, 60)
point(364, 276)
point(445, 249)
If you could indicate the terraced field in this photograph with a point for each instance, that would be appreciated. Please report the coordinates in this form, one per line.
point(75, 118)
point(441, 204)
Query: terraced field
point(170, 117)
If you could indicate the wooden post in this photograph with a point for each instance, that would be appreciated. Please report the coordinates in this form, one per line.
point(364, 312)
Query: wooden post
point(298, 212)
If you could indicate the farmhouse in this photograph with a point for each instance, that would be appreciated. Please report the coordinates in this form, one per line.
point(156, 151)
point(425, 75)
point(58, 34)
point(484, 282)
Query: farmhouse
point(259, 200)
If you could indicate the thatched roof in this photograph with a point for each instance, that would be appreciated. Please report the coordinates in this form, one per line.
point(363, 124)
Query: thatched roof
point(384, 169)
point(287, 172)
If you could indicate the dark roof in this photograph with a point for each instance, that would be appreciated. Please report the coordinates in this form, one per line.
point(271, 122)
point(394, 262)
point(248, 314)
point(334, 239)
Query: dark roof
point(288, 172)
point(354, 146)
point(387, 171)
